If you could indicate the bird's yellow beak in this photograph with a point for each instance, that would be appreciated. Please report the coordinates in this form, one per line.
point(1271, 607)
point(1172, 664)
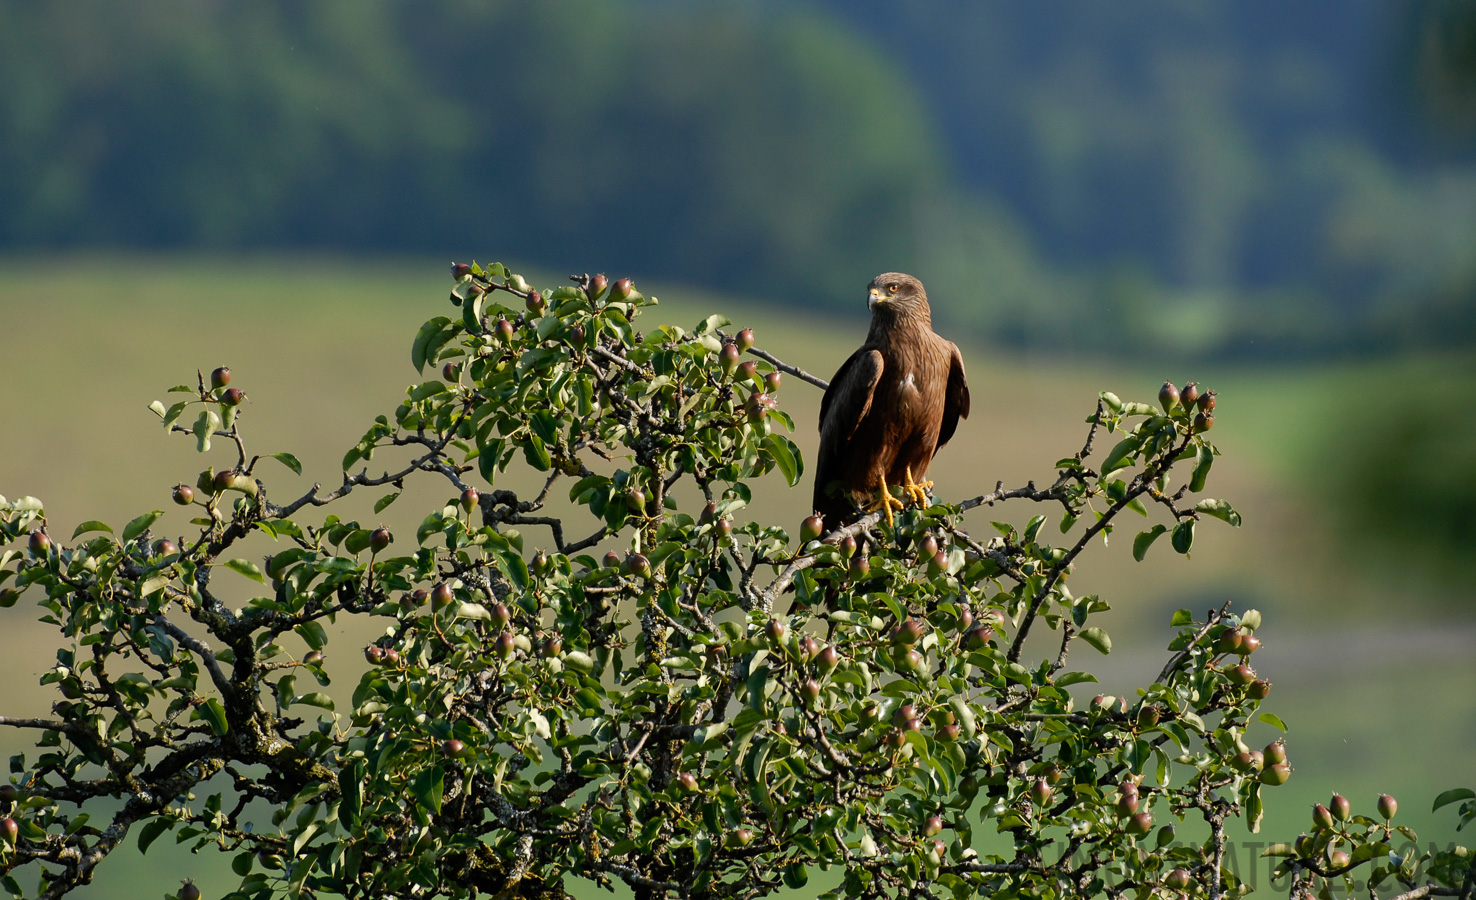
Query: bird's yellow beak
point(873, 297)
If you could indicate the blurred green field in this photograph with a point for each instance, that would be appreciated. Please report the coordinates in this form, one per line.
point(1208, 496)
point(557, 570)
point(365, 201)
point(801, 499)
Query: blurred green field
point(1380, 694)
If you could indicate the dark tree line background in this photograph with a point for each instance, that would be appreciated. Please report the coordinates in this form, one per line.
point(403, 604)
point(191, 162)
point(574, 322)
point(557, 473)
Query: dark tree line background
point(1255, 177)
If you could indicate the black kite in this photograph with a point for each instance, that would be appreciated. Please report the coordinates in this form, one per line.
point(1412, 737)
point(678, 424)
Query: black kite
point(889, 407)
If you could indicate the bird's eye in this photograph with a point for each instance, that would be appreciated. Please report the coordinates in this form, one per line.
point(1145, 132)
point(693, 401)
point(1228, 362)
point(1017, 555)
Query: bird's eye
point(891, 289)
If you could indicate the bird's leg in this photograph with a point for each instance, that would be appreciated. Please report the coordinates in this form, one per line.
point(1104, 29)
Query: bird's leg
point(886, 501)
point(917, 490)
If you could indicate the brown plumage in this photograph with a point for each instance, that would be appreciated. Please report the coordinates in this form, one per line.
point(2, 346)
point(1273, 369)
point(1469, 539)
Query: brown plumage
point(890, 406)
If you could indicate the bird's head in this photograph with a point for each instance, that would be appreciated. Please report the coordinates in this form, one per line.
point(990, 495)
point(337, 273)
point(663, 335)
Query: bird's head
point(897, 294)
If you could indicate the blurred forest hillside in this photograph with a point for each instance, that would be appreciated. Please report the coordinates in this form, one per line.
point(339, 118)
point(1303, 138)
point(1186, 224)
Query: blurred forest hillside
point(1249, 181)
point(1228, 176)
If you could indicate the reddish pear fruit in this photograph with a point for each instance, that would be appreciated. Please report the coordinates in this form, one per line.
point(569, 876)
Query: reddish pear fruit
point(460, 270)
point(392, 657)
point(453, 748)
point(9, 831)
point(189, 891)
point(810, 690)
point(826, 659)
point(1259, 689)
point(687, 782)
point(505, 646)
point(927, 547)
point(1168, 396)
point(728, 358)
point(8, 793)
point(1276, 775)
point(1275, 753)
point(724, 526)
point(611, 560)
point(503, 330)
point(553, 646)
point(635, 500)
point(220, 378)
point(937, 564)
point(1140, 825)
point(932, 826)
point(1189, 394)
point(776, 630)
point(908, 633)
point(622, 289)
point(184, 495)
point(742, 837)
point(748, 371)
point(39, 543)
point(903, 713)
point(745, 340)
point(1203, 422)
point(597, 286)
point(979, 638)
point(1229, 641)
point(1241, 675)
point(848, 546)
point(708, 512)
point(1249, 644)
point(375, 655)
point(638, 565)
point(772, 381)
point(1040, 792)
point(1340, 807)
point(1127, 803)
point(313, 658)
point(380, 539)
point(948, 732)
point(965, 618)
point(1322, 817)
point(442, 596)
point(1207, 401)
point(1178, 879)
point(232, 397)
point(534, 303)
point(860, 567)
point(1339, 859)
point(1388, 806)
point(165, 547)
point(451, 372)
point(811, 528)
point(501, 615)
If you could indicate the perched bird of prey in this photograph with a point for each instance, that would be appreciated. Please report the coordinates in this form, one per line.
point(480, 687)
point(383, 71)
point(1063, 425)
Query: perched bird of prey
point(889, 407)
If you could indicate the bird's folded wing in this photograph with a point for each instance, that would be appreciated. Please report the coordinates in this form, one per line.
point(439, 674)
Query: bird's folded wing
point(848, 398)
point(956, 398)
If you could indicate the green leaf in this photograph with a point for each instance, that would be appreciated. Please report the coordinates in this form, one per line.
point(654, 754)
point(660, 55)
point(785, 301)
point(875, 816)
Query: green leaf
point(1071, 678)
point(139, 525)
point(537, 454)
point(1144, 540)
point(1183, 537)
point(1454, 795)
point(1121, 454)
point(151, 831)
point(1204, 458)
point(1181, 617)
point(1097, 638)
point(1273, 720)
point(290, 461)
point(423, 338)
point(786, 457)
point(1220, 509)
point(428, 788)
point(93, 525)
point(246, 567)
point(471, 313)
point(312, 634)
point(386, 500)
point(214, 713)
point(322, 701)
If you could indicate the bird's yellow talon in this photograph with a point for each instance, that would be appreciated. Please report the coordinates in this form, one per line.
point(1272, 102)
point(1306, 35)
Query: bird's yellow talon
point(917, 490)
point(885, 502)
